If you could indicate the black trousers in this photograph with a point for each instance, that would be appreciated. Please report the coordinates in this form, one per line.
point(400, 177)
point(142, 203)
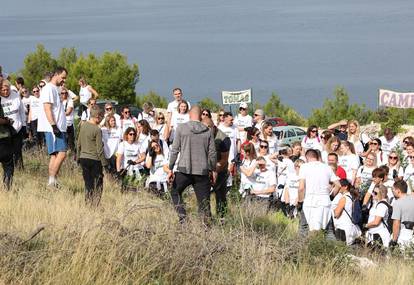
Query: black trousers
point(17, 147)
point(93, 178)
point(70, 137)
point(38, 137)
point(6, 160)
point(220, 189)
point(201, 184)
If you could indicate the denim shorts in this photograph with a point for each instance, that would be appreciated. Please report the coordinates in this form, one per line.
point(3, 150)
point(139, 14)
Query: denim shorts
point(55, 144)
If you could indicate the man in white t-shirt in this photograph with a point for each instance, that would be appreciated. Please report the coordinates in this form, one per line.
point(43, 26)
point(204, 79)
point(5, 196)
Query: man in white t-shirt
point(389, 142)
point(52, 121)
point(242, 121)
point(314, 191)
point(232, 132)
point(172, 106)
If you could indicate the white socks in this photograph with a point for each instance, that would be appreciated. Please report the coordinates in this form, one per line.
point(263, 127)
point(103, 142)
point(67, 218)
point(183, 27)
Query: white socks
point(52, 180)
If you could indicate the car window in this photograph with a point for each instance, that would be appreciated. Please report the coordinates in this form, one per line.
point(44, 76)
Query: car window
point(278, 134)
point(300, 132)
point(291, 133)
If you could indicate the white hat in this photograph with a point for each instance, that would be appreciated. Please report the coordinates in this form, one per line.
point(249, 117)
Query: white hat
point(243, 105)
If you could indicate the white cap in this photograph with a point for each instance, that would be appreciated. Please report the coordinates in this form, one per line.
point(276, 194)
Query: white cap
point(243, 105)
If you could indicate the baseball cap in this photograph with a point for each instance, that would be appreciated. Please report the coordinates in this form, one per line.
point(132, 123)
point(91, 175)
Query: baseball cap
point(243, 105)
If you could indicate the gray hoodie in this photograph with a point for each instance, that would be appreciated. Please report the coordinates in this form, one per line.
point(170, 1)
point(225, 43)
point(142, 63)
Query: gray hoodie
point(195, 143)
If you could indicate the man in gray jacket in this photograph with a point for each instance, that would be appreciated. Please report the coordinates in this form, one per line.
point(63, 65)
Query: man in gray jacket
point(197, 163)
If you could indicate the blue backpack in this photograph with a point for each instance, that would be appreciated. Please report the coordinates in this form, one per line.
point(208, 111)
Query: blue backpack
point(356, 217)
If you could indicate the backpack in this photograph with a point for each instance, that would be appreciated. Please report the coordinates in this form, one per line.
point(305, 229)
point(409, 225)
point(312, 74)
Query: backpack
point(356, 217)
point(388, 223)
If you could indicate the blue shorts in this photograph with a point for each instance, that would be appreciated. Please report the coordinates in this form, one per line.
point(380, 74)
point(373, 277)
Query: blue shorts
point(55, 144)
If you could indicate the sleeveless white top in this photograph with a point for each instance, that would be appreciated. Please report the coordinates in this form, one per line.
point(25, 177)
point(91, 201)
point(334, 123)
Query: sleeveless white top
point(84, 95)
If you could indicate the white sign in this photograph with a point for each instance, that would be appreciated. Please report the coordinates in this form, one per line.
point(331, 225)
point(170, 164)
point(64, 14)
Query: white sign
point(388, 98)
point(236, 97)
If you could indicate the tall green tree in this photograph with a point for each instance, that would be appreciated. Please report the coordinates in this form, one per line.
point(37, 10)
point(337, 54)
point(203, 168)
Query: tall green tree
point(275, 108)
point(36, 64)
point(208, 103)
point(339, 108)
point(154, 98)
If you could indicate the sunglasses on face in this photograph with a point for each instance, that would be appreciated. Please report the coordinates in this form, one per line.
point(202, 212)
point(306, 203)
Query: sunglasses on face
point(159, 119)
point(204, 114)
point(256, 115)
point(393, 157)
point(35, 91)
point(405, 141)
point(108, 108)
point(63, 93)
point(242, 109)
point(263, 146)
point(410, 157)
point(374, 143)
point(314, 131)
point(374, 193)
point(127, 112)
point(132, 134)
point(221, 115)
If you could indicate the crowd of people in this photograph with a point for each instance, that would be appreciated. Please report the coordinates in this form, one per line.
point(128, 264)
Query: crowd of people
point(340, 180)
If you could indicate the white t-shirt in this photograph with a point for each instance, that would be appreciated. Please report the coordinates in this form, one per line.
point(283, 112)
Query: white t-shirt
point(161, 130)
point(50, 94)
point(272, 141)
point(264, 180)
point(86, 115)
point(344, 221)
point(176, 120)
point(382, 159)
point(35, 106)
point(348, 163)
point(130, 152)
point(13, 109)
point(365, 174)
point(232, 133)
point(247, 181)
point(26, 104)
point(147, 117)
point(173, 107)
point(388, 146)
point(380, 210)
point(244, 122)
point(69, 104)
point(111, 139)
point(128, 123)
point(400, 172)
point(284, 167)
point(311, 143)
point(409, 177)
point(292, 183)
point(317, 176)
point(157, 173)
point(84, 95)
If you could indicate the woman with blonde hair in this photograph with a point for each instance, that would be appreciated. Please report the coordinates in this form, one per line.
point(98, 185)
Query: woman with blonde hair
point(161, 125)
point(356, 137)
point(111, 137)
point(268, 135)
point(332, 146)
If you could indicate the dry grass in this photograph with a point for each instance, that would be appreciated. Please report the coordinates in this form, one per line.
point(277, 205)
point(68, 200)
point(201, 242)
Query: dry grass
point(135, 239)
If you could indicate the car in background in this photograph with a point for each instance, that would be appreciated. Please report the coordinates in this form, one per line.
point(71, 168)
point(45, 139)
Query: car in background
point(289, 134)
point(277, 121)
